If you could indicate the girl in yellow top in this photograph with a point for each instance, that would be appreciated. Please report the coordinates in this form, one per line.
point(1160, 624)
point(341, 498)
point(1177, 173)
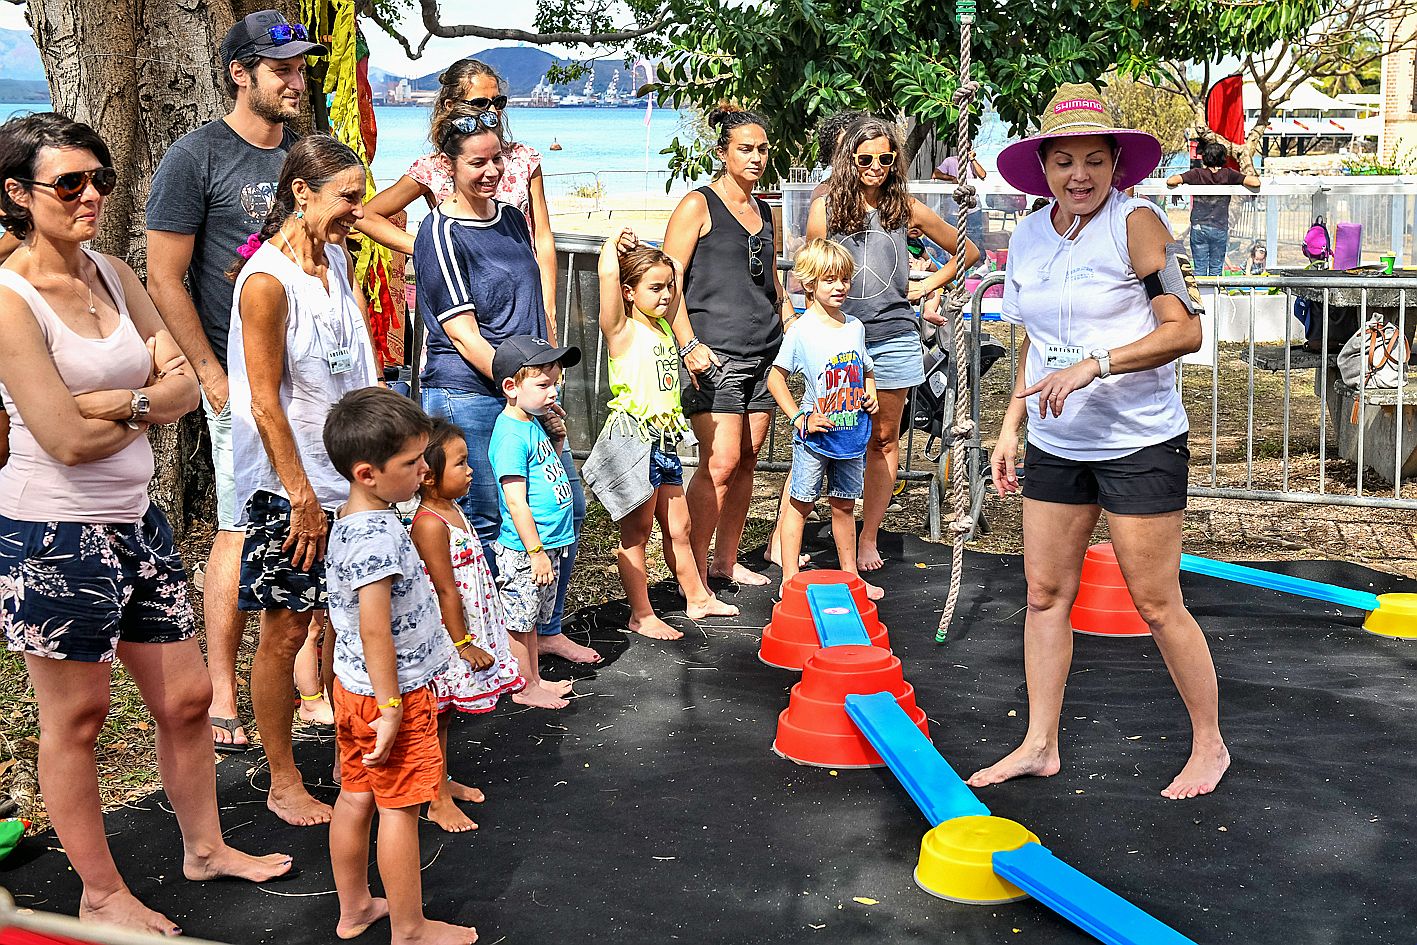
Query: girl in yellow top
point(634, 469)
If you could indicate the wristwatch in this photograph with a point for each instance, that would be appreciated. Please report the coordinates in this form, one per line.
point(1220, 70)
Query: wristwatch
point(140, 405)
point(1103, 357)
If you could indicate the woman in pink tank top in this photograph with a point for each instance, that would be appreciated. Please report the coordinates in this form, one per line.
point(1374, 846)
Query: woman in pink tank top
point(88, 570)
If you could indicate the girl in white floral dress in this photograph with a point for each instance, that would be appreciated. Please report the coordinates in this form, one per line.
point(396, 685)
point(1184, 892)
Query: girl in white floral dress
point(472, 609)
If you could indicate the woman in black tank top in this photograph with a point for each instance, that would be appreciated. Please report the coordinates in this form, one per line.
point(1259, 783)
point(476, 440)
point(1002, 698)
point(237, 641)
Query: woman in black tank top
point(728, 326)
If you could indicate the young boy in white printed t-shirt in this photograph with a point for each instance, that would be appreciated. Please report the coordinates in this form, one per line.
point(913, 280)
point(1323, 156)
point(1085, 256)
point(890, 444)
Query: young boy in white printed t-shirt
point(832, 426)
point(389, 644)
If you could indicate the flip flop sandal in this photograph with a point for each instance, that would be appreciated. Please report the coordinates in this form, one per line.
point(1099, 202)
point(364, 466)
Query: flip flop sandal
point(230, 725)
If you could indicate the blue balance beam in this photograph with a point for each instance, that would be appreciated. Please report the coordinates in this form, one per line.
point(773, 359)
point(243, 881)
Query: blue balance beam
point(1084, 902)
point(934, 786)
point(1254, 577)
point(834, 612)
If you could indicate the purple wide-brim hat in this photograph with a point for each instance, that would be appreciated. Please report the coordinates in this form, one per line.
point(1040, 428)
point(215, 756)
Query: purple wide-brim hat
point(1076, 111)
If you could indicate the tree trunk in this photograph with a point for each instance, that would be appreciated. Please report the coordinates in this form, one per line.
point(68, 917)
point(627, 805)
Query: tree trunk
point(143, 74)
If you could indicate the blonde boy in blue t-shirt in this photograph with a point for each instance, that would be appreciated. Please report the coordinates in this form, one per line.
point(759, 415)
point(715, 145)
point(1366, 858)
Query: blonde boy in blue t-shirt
point(832, 423)
point(533, 490)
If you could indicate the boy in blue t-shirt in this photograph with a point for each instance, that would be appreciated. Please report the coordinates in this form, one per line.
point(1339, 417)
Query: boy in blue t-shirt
point(828, 348)
point(533, 490)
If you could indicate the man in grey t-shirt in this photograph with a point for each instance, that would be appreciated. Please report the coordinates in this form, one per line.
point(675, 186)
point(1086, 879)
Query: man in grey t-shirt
point(212, 190)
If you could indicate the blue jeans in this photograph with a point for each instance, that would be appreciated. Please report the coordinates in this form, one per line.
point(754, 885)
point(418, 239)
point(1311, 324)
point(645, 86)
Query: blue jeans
point(1208, 246)
point(476, 414)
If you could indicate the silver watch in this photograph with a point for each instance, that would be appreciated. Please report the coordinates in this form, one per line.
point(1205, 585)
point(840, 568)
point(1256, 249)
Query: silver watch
point(1103, 357)
point(140, 406)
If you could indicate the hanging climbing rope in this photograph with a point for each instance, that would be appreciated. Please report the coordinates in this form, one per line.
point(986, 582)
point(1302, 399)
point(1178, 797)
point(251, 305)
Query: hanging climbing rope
point(962, 429)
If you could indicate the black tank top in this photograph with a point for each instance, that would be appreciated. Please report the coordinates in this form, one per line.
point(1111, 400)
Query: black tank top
point(733, 306)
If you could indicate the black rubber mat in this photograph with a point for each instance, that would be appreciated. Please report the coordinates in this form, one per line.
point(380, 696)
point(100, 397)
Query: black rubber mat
point(653, 810)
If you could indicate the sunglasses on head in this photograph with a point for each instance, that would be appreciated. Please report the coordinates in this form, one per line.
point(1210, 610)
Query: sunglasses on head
point(885, 160)
point(469, 123)
point(279, 34)
point(71, 186)
point(498, 102)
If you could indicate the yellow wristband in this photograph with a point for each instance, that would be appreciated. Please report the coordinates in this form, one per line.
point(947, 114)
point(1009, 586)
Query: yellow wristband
point(393, 703)
point(459, 644)
point(532, 551)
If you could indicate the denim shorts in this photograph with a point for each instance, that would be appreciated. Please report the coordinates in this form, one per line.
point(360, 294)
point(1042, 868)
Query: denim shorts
point(269, 578)
point(897, 362)
point(74, 591)
point(846, 478)
point(528, 605)
point(223, 464)
point(665, 468)
point(738, 385)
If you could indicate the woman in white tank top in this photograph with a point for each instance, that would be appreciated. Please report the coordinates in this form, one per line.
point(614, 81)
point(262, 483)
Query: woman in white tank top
point(299, 342)
point(1106, 428)
point(88, 570)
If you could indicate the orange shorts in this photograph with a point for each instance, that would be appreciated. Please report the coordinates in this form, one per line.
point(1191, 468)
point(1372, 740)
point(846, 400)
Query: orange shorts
point(413, 772)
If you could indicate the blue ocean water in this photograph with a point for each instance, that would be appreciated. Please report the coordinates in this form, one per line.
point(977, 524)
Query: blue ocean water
point(591, 139)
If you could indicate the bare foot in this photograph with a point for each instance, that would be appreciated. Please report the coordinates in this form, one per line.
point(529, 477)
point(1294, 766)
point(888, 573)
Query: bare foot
point(444, 813)
point(558, 644)
point(316, 711)
point(539, 697)
point(356, 924)
point(558, 687)
point(1200, 775)
point(772, 555)
point(123, 909)
point(654, 628)
point(713, 607)
point(868, 558)
point(295, 806)
point(228, 861)
point(438, 933)
point(1023, 761)
point(468, 795)
point(740, 575)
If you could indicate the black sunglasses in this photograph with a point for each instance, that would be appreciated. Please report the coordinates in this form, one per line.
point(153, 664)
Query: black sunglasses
point(468, 123)
point(498, 102)
point(755, 259)
point(71, 186)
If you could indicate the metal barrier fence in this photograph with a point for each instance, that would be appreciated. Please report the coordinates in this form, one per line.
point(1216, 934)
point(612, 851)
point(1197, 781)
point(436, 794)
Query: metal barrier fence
point(1255, 433)
point(587, 388)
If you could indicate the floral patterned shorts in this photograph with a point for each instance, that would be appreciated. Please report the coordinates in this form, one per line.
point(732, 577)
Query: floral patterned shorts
point(269, 578)
point(528, 604)
point(73, 591)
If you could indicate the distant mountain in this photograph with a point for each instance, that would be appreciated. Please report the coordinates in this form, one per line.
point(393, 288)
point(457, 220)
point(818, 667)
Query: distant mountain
point(19, 59)
point(522, 67)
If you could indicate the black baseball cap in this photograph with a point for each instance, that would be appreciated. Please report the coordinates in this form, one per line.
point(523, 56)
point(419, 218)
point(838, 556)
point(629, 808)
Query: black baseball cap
point(521, 351)
point(253, 36)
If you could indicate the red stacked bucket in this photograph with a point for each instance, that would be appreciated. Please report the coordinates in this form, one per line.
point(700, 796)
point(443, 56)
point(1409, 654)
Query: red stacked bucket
point(1104, 605)
point(815, 729)
point(791, 636)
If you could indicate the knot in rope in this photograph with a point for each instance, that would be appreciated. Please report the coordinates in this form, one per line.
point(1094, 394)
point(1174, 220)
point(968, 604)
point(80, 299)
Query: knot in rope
point(963, 429)
point(962, 525)
point(966, 92)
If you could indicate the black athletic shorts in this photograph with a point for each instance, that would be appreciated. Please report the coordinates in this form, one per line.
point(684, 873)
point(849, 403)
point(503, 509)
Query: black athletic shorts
point(1148, 482)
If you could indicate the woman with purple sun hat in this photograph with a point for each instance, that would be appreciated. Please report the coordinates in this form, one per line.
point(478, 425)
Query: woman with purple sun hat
point(1106, 430)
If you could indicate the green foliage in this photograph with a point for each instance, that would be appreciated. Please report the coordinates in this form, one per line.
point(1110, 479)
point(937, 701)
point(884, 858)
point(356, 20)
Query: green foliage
point(798, 61)
point(1371, 165)
point(1164, 115)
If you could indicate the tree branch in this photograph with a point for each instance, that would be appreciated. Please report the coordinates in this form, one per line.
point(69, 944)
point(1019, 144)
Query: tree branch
point(383, 24)
point(435, 26)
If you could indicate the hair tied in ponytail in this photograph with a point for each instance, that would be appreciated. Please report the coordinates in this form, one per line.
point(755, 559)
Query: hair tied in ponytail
point(248, 249)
